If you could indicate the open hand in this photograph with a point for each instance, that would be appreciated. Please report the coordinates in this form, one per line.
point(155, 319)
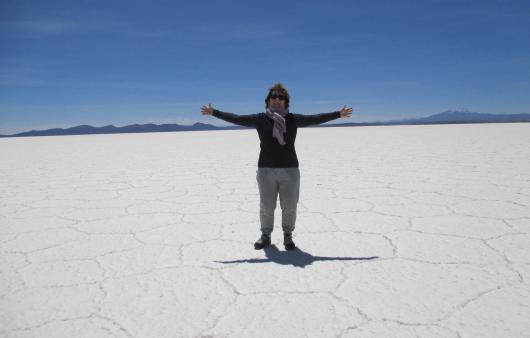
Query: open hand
point(207, 110)
point(346, 111)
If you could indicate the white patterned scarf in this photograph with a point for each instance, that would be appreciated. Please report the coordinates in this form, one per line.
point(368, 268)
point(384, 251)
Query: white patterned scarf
point(278, 115)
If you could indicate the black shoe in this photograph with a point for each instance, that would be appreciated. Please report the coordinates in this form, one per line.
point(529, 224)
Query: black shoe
point(288, 241)
point(263, 241)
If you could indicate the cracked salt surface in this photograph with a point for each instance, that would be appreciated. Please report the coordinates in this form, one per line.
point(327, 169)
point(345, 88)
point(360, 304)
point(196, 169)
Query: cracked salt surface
point(403, 231)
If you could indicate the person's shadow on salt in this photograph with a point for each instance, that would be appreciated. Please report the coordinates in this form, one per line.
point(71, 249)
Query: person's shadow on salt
point(295, 257)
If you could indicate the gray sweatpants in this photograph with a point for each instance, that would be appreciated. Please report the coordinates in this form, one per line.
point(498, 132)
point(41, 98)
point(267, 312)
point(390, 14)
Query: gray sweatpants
point(286, 183)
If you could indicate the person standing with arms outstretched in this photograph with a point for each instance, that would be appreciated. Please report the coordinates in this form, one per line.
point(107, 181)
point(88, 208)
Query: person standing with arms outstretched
point(278, 172)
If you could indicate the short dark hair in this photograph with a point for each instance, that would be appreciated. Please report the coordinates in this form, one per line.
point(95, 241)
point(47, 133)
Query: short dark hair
point(278, 88)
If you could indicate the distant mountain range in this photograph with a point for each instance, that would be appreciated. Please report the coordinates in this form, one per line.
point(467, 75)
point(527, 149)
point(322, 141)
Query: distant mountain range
point(453, 116)
point(450, 117)
point(447, 117)
point(133, 128)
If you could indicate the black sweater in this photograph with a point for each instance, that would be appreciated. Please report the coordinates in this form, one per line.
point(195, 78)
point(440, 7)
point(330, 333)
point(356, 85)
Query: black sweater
point(272, 154)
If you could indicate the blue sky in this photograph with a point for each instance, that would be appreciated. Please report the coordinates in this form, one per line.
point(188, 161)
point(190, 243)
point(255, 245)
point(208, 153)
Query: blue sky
point(65, 63)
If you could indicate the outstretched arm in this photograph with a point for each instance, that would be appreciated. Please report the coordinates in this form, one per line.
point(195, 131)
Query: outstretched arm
point(308, 120)
point(242, 120)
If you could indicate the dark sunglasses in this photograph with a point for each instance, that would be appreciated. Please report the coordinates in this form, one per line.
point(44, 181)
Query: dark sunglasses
point(279, 97)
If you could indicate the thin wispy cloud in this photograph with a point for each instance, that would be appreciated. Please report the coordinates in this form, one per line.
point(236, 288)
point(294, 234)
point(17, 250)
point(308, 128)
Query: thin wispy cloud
point(47, 27)
point(40, 28)
point(54, 23)
point(24, 76)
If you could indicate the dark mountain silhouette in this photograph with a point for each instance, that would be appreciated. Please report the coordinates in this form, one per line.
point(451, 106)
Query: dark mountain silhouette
point(447, 117)
point(110, 129)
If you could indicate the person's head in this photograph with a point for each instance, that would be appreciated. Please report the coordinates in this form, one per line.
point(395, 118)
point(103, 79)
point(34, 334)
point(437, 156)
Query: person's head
point(278, 97)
